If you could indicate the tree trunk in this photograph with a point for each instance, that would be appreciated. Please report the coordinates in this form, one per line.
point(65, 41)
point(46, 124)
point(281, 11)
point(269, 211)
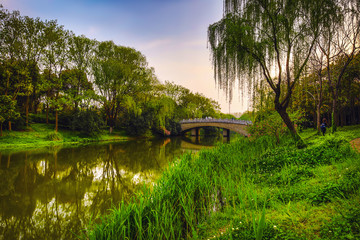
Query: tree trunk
point(318, 106)
point(334, 114)
point(111, 122)
point(27, 111)
point(342, 117)
point(285, 117)
point(8, 161)
point(47, 113)
point(352, 112)
point(9, 125)
point(33, 101)
point(318, 117)
point(56, 121)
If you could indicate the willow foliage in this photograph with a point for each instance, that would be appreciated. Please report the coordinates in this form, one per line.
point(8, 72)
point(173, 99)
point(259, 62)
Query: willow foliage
point(266, 40)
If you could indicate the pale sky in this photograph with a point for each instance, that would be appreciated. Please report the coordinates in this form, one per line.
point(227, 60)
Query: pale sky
point(172, 34)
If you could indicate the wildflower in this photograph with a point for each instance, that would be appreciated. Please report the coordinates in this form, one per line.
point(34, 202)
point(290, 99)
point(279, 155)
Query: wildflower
point(275, 227)
point(240, 222)
point(237, 228)
point(233, 229)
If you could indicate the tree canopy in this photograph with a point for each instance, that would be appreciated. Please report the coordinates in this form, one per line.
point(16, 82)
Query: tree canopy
point(267, 40)
point(80, 83)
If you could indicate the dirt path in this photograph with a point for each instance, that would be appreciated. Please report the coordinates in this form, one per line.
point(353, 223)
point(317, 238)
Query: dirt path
point(356, 144)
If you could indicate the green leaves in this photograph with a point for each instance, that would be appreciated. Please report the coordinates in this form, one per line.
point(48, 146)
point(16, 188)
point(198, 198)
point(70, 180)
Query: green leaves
point(7, 108)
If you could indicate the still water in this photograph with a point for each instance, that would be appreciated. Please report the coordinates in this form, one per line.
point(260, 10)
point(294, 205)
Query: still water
point(54, 193)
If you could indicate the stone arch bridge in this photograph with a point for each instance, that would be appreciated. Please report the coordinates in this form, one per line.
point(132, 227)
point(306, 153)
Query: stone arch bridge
point(194, 125)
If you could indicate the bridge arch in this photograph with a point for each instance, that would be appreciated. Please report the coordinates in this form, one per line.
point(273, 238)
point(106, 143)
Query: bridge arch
point(239, 126)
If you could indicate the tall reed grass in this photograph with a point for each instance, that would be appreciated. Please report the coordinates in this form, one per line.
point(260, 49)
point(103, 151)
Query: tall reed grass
point(246, 181)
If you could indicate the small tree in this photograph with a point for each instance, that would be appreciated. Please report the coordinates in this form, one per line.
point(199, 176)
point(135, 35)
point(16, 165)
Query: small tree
point(7, 110)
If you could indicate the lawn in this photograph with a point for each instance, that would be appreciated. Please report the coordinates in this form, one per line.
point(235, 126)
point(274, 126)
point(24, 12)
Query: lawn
point(41, 134)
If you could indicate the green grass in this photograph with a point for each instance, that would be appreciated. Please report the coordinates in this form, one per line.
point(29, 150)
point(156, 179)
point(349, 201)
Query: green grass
point(249, 190)
point(41, 134)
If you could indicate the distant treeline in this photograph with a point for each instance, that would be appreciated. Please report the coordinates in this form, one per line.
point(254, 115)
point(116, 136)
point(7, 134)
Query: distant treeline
point(312, 99)
point(48, 73)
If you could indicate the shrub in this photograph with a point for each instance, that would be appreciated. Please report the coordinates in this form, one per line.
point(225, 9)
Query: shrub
point(18, 123)
point(41, 118)
point(270, 123)
point(88, 122)
point(54, 136)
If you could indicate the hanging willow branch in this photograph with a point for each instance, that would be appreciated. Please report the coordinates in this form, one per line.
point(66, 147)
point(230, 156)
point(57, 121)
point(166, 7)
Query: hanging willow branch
point(266, 40)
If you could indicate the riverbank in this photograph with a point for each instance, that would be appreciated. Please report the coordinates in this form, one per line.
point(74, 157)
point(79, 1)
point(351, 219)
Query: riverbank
point(250, 190)
point(42, 135)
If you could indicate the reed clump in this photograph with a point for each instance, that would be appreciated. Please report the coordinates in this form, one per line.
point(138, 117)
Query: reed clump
point(246, 190)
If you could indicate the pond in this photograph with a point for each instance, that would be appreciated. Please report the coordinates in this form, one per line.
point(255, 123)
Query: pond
point(54, 192)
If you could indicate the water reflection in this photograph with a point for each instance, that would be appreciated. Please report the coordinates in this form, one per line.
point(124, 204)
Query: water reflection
point(53, 193)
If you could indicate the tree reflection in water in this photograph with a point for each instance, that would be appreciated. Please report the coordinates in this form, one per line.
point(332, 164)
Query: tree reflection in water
point(53, 193)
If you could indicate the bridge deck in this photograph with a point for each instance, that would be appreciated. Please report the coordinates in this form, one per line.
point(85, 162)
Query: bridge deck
point(214, 120)
point(239, 126)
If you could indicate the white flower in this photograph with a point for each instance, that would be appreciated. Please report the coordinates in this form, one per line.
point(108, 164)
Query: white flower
point(275, 227)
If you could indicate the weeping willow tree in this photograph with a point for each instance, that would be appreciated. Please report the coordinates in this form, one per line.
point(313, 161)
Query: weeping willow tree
point(267, 40)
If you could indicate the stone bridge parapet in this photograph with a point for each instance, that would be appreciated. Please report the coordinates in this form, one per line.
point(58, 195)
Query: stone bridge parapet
point(239, 126)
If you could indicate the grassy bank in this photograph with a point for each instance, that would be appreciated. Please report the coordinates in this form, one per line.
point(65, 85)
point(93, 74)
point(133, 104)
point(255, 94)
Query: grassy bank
point(40, 134)
point(249, 190)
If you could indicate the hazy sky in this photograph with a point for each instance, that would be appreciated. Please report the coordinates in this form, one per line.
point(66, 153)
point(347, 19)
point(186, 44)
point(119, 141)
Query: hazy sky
point(172, 34)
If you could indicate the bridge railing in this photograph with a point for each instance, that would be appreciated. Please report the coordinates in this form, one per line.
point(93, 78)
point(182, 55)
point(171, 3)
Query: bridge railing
point(214, 120)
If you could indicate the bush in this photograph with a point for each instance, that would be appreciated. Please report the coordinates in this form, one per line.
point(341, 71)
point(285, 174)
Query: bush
point(173, 126)
point(18, 124)
point(54, 136)
point(87, 122)
point(41, 118)
point(138, 126)
point(270, 123)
